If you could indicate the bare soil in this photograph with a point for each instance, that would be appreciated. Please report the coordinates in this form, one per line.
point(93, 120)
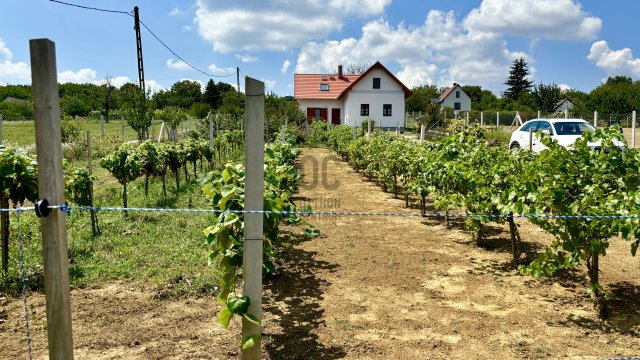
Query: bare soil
point(367, 288)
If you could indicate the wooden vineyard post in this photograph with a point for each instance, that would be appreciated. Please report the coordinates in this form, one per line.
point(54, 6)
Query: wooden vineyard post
point(422, 128)
point(530, 139)
point(497, 120)
point(539, 114)
point(633, 129)
point(122, 126)
point(254, 200)
point(595, 119)
point(94, 217)
point(153, 127)
point(369, 128)
point(4, 232)
point(102, 125)
point(284, 133)
point(566, 113)
point(51, 187)
point(1, 125)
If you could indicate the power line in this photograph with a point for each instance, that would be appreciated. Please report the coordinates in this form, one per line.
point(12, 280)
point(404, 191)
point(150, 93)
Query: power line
point(179, 57)
point(91, 8)
point(150, 31)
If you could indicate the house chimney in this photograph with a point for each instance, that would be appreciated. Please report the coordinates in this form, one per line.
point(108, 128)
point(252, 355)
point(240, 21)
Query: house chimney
point(340, 71)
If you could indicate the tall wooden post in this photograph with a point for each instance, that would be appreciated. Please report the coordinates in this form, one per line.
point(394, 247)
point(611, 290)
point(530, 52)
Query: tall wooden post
point(1, 125)
point(595, 119)
point(369, 127)
point(566, 113)
point(481, 119)
point(284, 134)
point(153, 127)
point(633, 129)
point(497, 120)
point(539, 114)
point(122, 126)
point(102, 125)
point(422, 129)
point(4, 232)
point(254, 200)
point(51, 187)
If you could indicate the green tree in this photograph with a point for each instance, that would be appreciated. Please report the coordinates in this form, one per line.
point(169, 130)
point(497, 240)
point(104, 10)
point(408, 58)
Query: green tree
point(211, 95)
point(618, 95)
point(135, 110)
point(421, 97)
point(545, 97)
point(184, 93)
point(517, 81)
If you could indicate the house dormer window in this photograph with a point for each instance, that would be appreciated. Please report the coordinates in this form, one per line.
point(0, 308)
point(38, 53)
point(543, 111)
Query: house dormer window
point(324, 87)
point(457, 94)
point(376, 83)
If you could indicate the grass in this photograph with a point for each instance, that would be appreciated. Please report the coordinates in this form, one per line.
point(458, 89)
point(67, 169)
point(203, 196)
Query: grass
point(22, 133)
point(161, 252)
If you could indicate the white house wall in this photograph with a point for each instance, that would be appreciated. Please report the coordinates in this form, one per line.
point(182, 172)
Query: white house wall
point(390, 92)
point(464, 100)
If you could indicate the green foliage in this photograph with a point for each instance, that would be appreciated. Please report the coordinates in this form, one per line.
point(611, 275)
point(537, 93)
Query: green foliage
point(225, 236)
point(136, 111)
point(77, 186)
point(70, 129)
point(545, 97)
point(421, 98)
point(464, 170)
point(18, 176)
point(580, 181)
point(319, 134)
point(517, 81)
point(19, 110)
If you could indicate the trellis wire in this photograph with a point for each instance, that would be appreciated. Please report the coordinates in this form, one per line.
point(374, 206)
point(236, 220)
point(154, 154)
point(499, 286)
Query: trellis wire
point(68, 208)
point(24, 282)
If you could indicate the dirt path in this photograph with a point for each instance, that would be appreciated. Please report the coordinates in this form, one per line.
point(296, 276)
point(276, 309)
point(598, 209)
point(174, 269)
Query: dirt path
point(367, 288)
point(407, 288)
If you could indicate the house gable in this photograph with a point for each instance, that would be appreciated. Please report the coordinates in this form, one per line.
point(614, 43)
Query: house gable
point(456, 98)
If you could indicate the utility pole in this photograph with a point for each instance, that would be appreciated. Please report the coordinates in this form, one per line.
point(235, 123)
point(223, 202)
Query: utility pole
point(238, 78)
point(136, 26)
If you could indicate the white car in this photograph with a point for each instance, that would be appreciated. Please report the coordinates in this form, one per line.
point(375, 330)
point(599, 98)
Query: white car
point(564, 131)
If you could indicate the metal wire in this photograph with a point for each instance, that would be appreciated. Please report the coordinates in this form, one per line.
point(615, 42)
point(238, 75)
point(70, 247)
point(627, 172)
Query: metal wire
point(24, 283)
point(68, 208)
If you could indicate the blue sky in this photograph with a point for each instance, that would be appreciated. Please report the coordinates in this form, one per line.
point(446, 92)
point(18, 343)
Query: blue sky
point(572, 43)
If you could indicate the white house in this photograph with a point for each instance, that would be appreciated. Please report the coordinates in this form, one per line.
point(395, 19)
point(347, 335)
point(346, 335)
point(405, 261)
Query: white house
point(455, 97)
point(349, 99)
point(562, 105)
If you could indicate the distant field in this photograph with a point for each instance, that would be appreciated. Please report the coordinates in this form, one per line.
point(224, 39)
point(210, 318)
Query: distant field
point(22, 133)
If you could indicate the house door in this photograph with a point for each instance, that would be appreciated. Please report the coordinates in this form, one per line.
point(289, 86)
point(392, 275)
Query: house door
point(335, 116)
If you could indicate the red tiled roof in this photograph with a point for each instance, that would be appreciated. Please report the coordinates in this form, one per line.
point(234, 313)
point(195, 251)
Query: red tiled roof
point(307, 86)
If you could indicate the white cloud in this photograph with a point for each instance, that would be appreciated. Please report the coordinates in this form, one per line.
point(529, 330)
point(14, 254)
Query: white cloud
point(10, 71)
point(187, 27)
point(153, 85)
point(215, 70)
point(564, 87)
point(275, 24)
point(177, 65)
point(551, 19)
point(82, 76)
point(175, 12)
point(439, 52)
point(117, 81)
point(246, 58)
point(614, 62)
point(285, 66)
point(269, 84)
